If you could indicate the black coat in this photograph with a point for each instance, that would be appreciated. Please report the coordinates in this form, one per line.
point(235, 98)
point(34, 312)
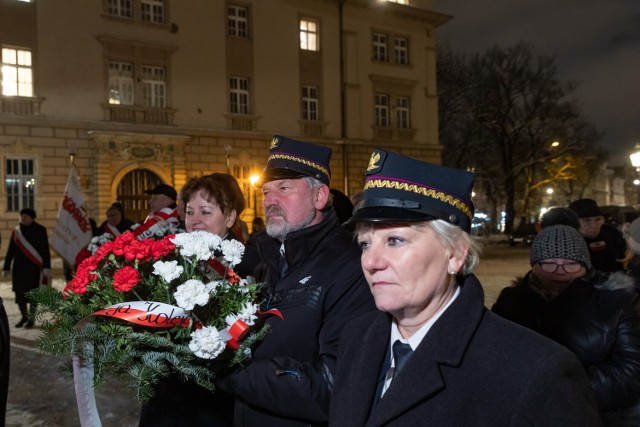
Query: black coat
point(606, 249)
point(25, 274)
point(471, 369)
point(289, 380)
point(598, 319)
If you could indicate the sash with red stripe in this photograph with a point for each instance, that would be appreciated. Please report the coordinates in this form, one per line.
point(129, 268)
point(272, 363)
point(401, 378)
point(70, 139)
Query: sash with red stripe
point(26, 248)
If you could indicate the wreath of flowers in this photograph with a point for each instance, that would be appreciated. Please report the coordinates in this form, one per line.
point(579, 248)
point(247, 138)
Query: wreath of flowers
point(149, 308)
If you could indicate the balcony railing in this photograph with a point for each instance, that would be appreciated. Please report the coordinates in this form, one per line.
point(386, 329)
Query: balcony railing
point(138, 115)
point(20, 105)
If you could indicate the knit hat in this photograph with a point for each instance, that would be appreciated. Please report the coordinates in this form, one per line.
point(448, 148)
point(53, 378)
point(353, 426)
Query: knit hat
point(633, 240)
point(560, 242)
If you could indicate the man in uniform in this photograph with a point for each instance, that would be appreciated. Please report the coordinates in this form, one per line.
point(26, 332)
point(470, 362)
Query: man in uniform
point(311, 267)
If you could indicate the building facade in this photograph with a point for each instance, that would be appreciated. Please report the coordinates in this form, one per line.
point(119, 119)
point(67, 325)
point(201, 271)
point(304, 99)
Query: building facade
point(139, 92)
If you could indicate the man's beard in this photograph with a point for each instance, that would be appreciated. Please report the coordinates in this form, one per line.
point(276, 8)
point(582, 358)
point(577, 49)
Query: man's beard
point(280, 229)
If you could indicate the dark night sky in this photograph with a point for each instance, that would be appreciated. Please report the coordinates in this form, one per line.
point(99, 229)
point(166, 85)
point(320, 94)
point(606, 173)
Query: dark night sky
point(596, 44)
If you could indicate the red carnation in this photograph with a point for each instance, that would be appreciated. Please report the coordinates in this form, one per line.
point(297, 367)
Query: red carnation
point(122, 242)
point(125, 279)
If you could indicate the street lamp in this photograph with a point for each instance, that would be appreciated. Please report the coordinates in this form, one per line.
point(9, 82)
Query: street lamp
point(253, 179)
point(635, 157)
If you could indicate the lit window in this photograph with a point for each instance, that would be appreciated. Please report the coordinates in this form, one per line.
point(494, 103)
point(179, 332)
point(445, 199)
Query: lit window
point(154, 86)
point(382, 110)
point(379, 47)
point(401, 47)
point(152, 10)
point(120, 8)
point(19, 184)
point(309, 35)
point(309, 103)
point(403, 111)
point(239, 95)
point(399, 1)
point(120, 83)
point(17, 72)
point(238, 21)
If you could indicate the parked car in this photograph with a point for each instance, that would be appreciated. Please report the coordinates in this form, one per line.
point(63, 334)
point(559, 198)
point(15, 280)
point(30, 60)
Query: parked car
point(523, 234)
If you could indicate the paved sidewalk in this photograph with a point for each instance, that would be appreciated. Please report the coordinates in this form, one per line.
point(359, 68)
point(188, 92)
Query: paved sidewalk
point(38, 394)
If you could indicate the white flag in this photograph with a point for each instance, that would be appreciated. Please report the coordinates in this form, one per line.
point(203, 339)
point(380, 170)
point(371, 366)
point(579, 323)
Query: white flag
point(73, 229)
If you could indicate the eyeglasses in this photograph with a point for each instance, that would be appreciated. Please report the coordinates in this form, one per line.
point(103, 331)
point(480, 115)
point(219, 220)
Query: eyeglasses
point(552, 267)
point(592, 220)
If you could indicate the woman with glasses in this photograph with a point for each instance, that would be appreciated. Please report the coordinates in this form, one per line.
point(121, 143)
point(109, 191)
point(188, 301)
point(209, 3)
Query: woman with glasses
point(592, 313)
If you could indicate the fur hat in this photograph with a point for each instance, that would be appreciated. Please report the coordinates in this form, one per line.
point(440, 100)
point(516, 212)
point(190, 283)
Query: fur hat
point(560, 242)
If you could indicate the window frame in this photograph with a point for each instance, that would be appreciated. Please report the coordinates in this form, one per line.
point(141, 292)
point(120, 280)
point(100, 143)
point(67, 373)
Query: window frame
point(18, 80)
point(310, 103)
point(124, 85)
point(380, 47)
point(381, 110)
point(155, 13)
point(120, 8)
point(154, 86)
point(23, 181)
point(235, 22)
point(309, 37)
point(239, 96)
point(403, 112)
point(401, 52)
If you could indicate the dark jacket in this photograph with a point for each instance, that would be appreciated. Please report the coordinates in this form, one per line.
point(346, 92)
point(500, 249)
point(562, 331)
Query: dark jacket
point(5, 356)
point(177, 403)
point(598, 319)
point(25, 274)
point(606, 249)
point(289, 380)
point(471, 369)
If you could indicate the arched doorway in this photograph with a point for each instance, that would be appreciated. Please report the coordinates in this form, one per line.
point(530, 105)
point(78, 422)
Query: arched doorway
point(131, 193)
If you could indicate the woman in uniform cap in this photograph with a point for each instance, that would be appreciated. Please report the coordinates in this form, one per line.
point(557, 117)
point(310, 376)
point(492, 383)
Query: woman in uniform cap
point(432, 353)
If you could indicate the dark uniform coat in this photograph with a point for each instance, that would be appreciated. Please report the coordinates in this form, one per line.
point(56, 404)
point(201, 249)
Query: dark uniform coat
point(25, 274)
point(289, 381)
point(472, 368)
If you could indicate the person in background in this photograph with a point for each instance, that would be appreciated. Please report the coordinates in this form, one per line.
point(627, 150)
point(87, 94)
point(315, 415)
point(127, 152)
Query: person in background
point(342, 204)
point(312, 276)
point(28, 251)
point(257, 228)
point(163, 216)
point(212, 203)
point(631, 260)
point(116, 222)
point(594, 314)
point(433, 354)
point(606, 244)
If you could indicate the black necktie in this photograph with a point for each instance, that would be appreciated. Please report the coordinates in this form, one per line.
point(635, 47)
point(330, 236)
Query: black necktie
point(401, 354)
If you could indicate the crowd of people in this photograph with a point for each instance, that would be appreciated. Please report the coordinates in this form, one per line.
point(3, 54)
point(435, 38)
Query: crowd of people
point(389, 327)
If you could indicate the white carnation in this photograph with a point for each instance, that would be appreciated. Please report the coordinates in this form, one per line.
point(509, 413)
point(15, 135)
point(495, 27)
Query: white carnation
point(199, 244)
point(168, 270)
point(191, 293)
point(207, 343)
point(247, 315)
point(232, 250)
